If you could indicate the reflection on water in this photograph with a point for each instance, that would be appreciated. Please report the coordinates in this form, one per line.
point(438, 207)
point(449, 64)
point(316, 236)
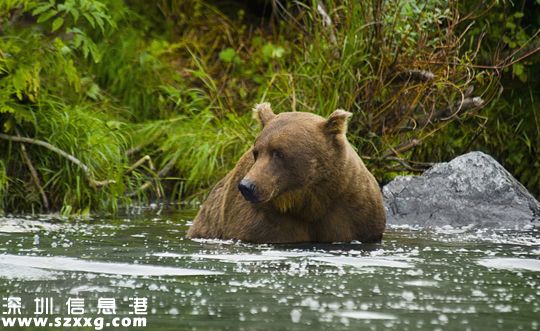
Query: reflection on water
point(443, 279)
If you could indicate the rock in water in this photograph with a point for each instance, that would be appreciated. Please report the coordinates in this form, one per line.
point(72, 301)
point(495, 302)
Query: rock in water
point(470, 190)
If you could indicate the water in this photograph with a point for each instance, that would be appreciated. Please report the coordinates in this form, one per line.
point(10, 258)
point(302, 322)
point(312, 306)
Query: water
point(414, 280)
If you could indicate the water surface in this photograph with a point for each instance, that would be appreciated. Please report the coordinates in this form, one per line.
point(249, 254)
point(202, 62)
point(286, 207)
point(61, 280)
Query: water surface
point(466, 279)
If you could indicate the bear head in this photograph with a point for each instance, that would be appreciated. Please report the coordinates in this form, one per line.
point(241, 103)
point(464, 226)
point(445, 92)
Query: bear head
point(294, 153)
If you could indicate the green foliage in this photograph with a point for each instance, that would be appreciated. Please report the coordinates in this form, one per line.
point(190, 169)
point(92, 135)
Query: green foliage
point(509, 127)
point(228, 55)
point(154, 98)
point(86, 133)
point(398, 78)
point(47, 93)
point(219, 143)
point(512, 27)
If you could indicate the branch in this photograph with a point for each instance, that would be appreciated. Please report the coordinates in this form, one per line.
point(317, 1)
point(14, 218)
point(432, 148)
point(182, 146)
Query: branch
point(328, 24)
point(160, 174)
point(73, 159)
point(439, 115)
point(35, 176)
point(449, 112)
point(404, 163)
point(414, 75)
point(507, 62)
point(401, 147)
point(142, 160)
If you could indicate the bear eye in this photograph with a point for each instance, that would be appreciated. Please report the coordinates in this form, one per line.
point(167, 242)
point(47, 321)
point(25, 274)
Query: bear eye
point(276, 153)
point(255, 154)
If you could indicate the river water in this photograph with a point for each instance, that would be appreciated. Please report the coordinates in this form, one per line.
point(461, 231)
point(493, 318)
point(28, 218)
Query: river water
point(441, 279)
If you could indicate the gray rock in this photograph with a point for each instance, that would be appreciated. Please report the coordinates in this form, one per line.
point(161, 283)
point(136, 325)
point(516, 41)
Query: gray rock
point(472, 190)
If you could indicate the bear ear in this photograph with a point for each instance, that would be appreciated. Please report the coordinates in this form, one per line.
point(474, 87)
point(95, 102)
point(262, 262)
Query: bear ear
point(337, 122)
point(263, 113)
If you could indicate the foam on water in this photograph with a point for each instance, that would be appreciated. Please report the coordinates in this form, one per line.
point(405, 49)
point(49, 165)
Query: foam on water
point(238, 257)
point(292, 254)
point(72, 264)
point(510, 263)
point(9, 271)
point(169, 254)
point(421, 283)
point(265, 255)
point(89, 289)
point(367, 315)
point(366, 261)
point(21, 225)
point(214, 241)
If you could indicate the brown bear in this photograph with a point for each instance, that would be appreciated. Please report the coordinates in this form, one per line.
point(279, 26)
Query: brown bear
point(301, 181)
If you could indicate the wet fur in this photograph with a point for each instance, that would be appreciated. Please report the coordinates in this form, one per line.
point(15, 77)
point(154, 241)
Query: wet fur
point(338, 201)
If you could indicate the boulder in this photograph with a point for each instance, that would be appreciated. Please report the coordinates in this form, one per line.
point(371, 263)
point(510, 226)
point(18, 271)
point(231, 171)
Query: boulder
point(472, 190)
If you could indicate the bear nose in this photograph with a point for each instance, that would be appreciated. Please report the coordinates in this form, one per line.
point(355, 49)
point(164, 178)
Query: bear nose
point(247, 188)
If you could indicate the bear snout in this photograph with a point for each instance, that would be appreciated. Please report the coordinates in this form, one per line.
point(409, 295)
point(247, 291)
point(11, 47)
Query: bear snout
point(247, 188)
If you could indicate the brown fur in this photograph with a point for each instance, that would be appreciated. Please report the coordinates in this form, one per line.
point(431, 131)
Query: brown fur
point(313, 186)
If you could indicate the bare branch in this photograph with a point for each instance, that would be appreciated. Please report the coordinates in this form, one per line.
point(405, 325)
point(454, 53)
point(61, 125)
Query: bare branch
point(414, 75)
point(73, 159)
point(328, 24)
point(403, 163)
point(450, 111)
point(402, 147)
point(34, 174)
point(139, 162)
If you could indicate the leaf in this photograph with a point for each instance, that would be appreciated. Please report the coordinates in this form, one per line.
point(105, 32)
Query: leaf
point(42, 9)
point(90, 19)
point(57, 23)
point(100, 23)
point(8, 125)
point(23, 115)
point(267, 50)
point(19, 81)
point(270, 51)
point(75, 13)
point(46, 16)
point(85, 50)
point(77, 41)
point(6, 109)
point(278, 52)
point(72, 75)
point(518, 69)
point(94, 92)
point(117, 125)
point(511, 25)
point(94, 51)
point(227, 55)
